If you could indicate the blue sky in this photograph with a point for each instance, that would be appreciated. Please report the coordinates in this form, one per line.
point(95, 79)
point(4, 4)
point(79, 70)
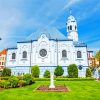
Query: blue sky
point(20, 18)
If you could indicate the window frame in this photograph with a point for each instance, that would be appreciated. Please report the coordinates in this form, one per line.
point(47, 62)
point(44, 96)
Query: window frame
point(79, 54)
point(24, 54)
point(64, 54)
point(13, 56)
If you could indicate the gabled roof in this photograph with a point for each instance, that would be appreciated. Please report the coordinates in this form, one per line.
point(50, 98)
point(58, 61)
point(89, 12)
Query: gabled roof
point(51, 33)
point(3, 52)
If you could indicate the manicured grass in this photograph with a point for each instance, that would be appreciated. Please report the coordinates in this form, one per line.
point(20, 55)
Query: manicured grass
point(80, 90)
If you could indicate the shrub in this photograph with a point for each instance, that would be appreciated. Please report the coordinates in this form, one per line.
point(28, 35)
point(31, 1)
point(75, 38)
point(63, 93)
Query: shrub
point(35, 71)
point(13, 81)
point(47, 74)
point(21, 83)
point(4, 84)
point(88, 72)
point(28, 79)
point(72, 71)
point(6, 72)
point(59, 71)
point(4, 78)
point(20, 77)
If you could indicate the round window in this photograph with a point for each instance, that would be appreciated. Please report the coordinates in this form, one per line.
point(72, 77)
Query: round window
point(43, 52)
point(80, 67)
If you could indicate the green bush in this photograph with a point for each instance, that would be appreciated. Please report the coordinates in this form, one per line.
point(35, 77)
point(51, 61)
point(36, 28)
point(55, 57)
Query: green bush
point(47, 74)
point(72, 71)
point(4, 78)
point(6, 72)
point(13, 81)
point(58, 71)
point(20, 77)
point(4, 84)
point(35, 71)
point(21, 83)
point(28, 79)
point(88, 72)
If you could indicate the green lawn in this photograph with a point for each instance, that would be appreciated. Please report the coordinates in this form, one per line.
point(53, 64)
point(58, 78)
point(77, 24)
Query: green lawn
point(80, 90)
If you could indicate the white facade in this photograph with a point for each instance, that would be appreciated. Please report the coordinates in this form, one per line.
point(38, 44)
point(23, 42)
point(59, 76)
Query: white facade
point(48, 48)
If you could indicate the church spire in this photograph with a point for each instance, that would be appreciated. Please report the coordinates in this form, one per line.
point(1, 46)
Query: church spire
point(72, 27)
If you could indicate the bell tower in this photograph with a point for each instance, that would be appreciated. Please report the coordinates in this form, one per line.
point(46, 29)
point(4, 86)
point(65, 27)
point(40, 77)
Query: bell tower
point(72, 28)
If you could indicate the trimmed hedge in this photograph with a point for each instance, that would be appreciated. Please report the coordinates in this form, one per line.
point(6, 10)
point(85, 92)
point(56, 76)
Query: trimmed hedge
point(41, 79)
point(75, 79)
point(66, 79)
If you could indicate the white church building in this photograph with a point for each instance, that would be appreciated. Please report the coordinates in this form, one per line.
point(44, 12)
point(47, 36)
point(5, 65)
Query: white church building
point(48, 48)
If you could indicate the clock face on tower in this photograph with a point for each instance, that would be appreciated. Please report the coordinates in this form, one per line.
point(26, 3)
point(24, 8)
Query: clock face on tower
point(43, 52)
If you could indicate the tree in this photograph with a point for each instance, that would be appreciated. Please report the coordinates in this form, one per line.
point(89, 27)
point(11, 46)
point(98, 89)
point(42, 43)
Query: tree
point(6, 72)
point(88, 72)
point(35, 71)
point(72, 71)
point(97, 56)
point(47, 74)
point(59, 71)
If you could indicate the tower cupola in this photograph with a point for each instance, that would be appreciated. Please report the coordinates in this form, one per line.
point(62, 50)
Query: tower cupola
point(72, 28)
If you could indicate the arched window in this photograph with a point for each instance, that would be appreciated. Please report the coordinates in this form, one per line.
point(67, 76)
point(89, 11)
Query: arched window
point(64, 53)
point(79, 55)
point(75, 27)
point(70, 27)
point(24, 54)
point(13, 56)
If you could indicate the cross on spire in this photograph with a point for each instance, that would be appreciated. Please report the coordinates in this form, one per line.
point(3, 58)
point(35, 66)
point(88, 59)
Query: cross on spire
point(70, 11)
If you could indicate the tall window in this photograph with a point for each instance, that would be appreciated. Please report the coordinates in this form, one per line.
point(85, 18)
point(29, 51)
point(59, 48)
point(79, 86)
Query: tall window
point(75, 27)
point(70, 27)
point(64, 53)
point(79, 54)
point(13, 56)
point(24, 54)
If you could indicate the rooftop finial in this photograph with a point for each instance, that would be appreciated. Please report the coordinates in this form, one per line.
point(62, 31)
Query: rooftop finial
point(70, 11)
